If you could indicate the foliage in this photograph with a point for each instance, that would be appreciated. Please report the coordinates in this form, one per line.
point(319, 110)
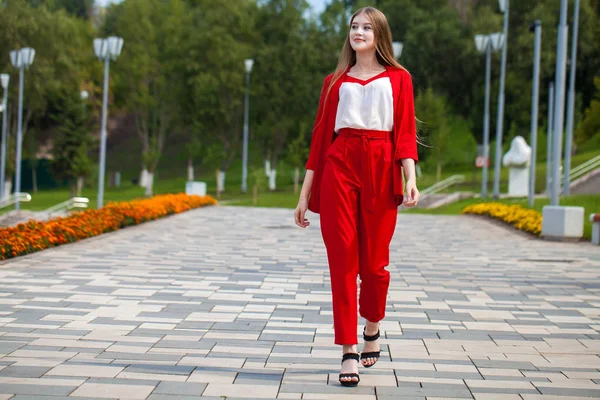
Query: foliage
point(590, 126)
point(181, 73)
point(72, 140)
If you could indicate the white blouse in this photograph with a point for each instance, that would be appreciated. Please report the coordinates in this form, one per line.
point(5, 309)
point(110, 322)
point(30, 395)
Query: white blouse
point(366, 104)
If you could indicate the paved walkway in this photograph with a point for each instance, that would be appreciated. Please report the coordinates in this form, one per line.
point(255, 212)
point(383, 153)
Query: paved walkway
point(227, 302)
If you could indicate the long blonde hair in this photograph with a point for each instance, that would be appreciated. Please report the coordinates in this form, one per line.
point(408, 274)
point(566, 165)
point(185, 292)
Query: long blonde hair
point(384, 50)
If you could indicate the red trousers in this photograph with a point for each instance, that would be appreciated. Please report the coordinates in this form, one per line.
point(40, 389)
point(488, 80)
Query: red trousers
point(358, 218)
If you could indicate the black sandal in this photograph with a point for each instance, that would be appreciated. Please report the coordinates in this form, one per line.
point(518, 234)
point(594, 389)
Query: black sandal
point(349, 356)
point(371, 354)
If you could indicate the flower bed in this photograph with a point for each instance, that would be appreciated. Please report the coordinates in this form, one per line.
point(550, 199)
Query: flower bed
point(521, 218)
point(33, 236)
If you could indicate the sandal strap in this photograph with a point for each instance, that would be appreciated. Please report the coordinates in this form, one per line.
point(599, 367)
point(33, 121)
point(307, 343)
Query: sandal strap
point(349, 375)
point(371, 338)
point(372, 354)
point(350, 356)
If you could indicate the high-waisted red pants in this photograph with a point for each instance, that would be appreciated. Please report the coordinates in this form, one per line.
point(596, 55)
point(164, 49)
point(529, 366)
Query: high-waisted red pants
point(358, 218)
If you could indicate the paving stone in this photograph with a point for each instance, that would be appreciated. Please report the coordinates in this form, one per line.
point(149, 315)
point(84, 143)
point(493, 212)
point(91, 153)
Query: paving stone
point(238, 305)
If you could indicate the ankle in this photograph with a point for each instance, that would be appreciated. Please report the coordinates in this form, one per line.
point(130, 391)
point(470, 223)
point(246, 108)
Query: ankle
point(349, 348)
point(371, 328)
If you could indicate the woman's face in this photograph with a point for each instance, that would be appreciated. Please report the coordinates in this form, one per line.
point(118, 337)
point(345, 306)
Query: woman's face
point(361, 34)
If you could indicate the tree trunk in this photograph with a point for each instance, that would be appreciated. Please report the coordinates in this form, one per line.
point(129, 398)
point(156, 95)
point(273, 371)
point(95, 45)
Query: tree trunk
point(149, 183)
point(144, 178)
point(267, 168)
point(220, 181)
point(190, 170)
point(255, 194)
point(272, 180)
point(72, 188)
point(217, 180)
point(79, 185)
point(296, 180)
point(34, 179)
point(439, 170)
point(7, 188)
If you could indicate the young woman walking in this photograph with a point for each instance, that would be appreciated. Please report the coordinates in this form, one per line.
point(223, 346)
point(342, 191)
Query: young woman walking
point(364, 136)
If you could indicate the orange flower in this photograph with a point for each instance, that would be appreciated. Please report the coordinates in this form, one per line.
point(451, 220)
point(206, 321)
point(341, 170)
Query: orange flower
point(34, 235)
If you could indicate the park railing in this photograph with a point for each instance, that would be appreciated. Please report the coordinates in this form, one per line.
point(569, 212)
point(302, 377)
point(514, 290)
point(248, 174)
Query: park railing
point(72, 203)
point(13, 198)
point(442, 185)
point(584, 168)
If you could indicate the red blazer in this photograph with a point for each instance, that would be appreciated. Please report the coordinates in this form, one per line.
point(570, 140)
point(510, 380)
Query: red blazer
point(404, 131)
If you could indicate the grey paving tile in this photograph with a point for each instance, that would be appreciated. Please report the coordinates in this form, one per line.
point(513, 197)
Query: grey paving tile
point(180, 388)
point(251, 305)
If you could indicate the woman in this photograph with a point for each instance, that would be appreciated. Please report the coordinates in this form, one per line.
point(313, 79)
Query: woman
point(364, 136)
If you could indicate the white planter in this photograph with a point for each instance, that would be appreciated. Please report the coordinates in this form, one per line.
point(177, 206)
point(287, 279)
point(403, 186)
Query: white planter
point(562, 222)
point(195, 188)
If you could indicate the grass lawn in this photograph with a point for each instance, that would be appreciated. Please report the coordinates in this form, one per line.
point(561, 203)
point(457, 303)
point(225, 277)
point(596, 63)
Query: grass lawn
point(285, 197)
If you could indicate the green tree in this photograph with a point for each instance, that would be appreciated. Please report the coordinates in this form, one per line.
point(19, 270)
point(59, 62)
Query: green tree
point(590, 126)
point(219, 37)
point(432, 109)
point(297, 154)
point(72, 142)
point(148, 74)
point(63, 60)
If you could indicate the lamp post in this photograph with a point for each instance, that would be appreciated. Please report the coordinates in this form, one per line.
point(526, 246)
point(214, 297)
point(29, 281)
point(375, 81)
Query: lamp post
point(549, 138)
point(571, 102)
point(397, 46)
point(504, 7)
point(20, 59)
point(537, 28)
point(485, 44)
point(248, 63)
point(559, 98)
point(106, 50)
point(4, 79)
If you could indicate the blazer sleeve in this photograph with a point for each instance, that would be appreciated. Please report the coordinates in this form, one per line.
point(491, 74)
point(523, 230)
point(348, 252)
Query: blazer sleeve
point(406, 146)
point(318, 128)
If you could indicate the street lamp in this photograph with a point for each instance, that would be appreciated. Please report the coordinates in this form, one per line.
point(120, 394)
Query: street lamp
point(398, 46)
point(20, 59)
point(248, 63)
point(571, 102)
point(485, 44)
point(559, 98)
point(106, 50)
point(504, 7)
point(4, 79)
point(537, 28)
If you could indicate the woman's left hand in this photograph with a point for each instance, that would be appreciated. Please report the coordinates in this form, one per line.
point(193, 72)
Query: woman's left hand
point(411, 194)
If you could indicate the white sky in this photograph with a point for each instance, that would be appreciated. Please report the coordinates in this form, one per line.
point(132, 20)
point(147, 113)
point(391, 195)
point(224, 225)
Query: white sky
point(317, 5)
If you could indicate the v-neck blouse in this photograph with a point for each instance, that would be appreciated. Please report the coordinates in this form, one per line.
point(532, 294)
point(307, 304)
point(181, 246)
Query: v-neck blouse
point(366, 104)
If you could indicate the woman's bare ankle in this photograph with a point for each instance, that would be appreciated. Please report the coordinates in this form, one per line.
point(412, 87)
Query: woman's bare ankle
point(371, 328)
point(349, 348)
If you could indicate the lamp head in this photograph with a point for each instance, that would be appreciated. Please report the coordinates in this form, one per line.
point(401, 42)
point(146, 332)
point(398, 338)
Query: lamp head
point(248, 63)
point(4, 79)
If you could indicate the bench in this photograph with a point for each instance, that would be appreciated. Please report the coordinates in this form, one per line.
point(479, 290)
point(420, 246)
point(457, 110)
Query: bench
point(595, 218)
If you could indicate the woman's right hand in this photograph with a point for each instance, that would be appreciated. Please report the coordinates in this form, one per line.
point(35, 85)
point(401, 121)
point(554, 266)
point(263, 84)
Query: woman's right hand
point(300, 212)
